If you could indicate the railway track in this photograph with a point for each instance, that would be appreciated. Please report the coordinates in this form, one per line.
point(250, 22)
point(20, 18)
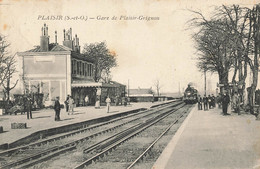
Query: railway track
point(142, 155)
point(37, 152)
point(106, 147)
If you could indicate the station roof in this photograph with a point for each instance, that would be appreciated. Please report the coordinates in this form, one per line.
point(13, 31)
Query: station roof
point(53, 47)
point(140, 92)
point(76, 84)
point(56, 48)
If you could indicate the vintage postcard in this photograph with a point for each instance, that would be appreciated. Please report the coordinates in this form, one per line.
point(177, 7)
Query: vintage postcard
point(129, 84)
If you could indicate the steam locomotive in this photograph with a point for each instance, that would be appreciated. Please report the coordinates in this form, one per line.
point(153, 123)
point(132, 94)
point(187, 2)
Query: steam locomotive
point(190, 95)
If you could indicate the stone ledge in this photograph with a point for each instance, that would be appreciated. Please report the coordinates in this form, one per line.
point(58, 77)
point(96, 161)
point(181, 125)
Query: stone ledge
point(18, 126)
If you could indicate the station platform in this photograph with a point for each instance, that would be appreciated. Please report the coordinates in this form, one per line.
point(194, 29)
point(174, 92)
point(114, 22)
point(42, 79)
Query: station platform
point(209, 140)
point(44, 119)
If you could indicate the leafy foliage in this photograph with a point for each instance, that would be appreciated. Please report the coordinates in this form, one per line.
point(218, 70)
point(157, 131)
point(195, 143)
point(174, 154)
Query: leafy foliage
point(104, 60)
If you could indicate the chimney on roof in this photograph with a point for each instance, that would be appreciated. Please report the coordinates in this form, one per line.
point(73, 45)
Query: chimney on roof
point(68, 42)
point(44, 43)
point(64, 34)
point(56, 37)
point(77, 47)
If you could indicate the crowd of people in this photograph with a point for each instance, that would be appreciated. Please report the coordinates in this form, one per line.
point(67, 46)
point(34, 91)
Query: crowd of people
point(208, 102)
point(223, 101)
point(69, 105)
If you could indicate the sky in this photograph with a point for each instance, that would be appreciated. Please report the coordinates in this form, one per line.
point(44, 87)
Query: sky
point(147, 51)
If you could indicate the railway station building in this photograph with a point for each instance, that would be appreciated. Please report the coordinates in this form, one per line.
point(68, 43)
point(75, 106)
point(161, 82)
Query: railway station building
point(60, 70)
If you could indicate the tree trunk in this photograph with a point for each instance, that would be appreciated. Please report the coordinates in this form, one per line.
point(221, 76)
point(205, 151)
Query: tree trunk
point(257, 51)
point(256, 21)
point(223, 79)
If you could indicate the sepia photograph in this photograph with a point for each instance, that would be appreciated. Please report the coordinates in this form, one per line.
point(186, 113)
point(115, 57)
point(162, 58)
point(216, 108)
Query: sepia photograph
point(140, 84)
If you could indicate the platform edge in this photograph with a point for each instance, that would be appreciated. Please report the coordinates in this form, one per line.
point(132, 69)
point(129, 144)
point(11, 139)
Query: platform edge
point(162, 161)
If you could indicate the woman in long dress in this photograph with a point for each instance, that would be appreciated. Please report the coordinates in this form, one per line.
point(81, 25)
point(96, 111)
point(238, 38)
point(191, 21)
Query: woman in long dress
point(71, 102)
point(108, 100)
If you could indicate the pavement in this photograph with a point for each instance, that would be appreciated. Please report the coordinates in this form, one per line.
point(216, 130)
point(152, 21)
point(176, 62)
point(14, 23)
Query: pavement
point(209, 140)
point(44, 119)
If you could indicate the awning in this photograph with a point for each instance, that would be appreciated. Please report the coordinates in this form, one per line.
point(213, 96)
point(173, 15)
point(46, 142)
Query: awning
point(91, 84)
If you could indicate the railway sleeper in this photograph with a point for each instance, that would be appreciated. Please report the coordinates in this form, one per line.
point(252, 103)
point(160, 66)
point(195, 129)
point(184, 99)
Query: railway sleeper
point(74, 143)
point(113, 144)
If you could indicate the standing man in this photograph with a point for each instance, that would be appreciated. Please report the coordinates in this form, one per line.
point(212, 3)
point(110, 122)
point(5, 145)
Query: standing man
point(213, 101)
point(199, 103)
point(57, 109)
point(210, 101)
point(219, 101)
point(205, 102)
point(108, 100)
point(29, 107)
point(125, 103)
point(225, 102)
point(236, 103)
point(117, 100)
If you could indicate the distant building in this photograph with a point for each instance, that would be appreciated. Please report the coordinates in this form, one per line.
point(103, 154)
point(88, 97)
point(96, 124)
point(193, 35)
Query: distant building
point(172, 95)
point(59, 70)
point(141, 95)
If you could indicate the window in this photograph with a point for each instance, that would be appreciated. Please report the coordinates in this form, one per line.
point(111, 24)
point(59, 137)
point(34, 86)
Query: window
point(74, 67)
point(86, 69)
point(90, 67)
point(92, 70)
point(77, 68)
point(83, 69)
point(80, 71)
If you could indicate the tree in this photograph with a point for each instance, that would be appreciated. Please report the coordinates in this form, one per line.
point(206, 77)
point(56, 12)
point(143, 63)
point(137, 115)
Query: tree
point(213, 46)
point(239, 24)
point(103, 58)
point(255, 16)
point(10, 70)
point(4, 55)
point(157, 86)
point(7, 68)
point(229, 40)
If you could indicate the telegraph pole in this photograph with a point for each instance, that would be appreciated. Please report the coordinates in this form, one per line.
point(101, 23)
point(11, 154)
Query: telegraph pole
point(128, 88)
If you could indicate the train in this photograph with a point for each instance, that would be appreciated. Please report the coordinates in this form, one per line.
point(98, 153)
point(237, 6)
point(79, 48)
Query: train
point(190, 95)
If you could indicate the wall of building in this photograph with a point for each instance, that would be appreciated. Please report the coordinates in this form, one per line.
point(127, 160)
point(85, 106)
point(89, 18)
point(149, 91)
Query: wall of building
point(52, 64)
point(46, 74)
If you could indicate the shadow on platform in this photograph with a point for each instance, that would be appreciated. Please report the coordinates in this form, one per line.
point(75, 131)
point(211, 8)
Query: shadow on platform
point(113, 111)
point(40, 117)
point(67, 119)
point(78, 113)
